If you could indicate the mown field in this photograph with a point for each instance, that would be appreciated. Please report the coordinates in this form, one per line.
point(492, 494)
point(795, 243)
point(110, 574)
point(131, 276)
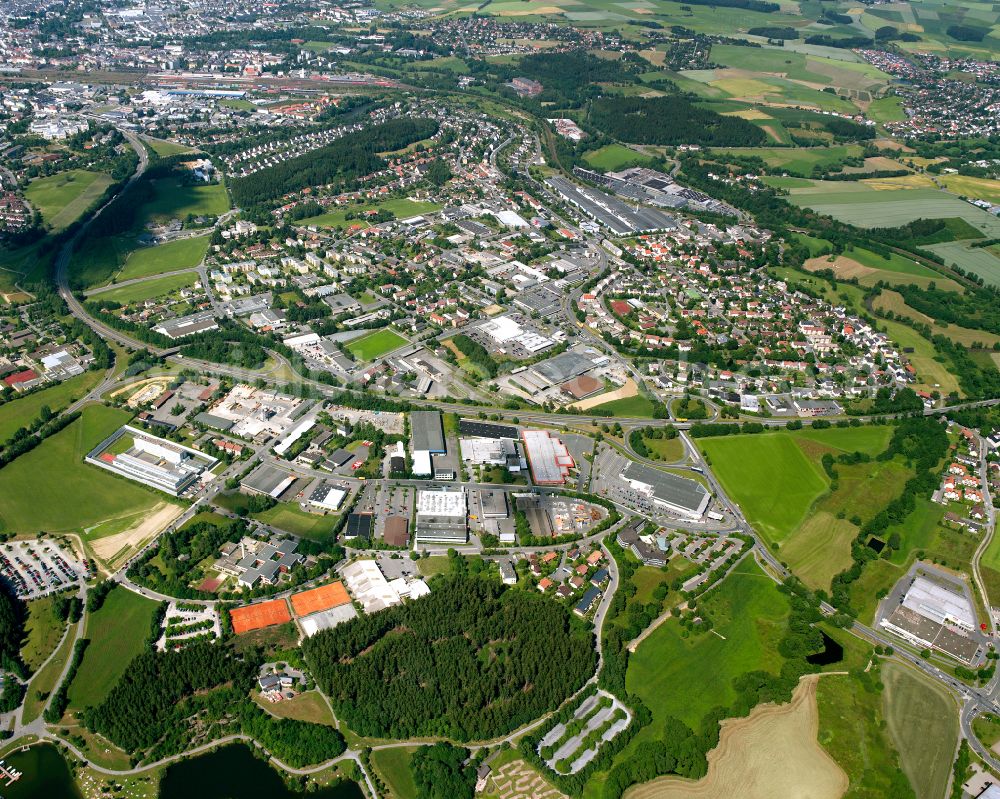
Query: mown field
point(401, 208)
point(87, 495)
point(22, 412)
point(688, 676)
point(62, 197)
point(612, 157)
point(176, 199)
point(148, 289)
point(43, 631)
point(180, 254)
point(923, 725)
point(117, 633)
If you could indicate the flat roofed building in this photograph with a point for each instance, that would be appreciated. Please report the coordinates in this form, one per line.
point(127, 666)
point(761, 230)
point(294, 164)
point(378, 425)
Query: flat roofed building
point(494, 502)
point(548, 457)
point(359, 525)
point(940, 604)
point(327, 619)
point(326, 497)
point(442, 517)
point(426, 433)
point(678, 494)
point(562, 367)
point(396, 532)
point(267, 481)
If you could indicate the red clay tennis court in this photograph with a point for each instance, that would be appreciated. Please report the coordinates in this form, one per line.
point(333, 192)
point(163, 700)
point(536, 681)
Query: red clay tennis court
point(263, 614)
point(325, 597)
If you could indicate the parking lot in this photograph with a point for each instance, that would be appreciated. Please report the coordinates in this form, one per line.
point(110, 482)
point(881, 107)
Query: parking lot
point(392, 500)
point(38, 568)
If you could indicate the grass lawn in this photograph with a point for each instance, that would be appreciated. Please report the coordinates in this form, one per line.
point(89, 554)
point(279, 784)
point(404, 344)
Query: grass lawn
point(393, 766)
point(769, 477)
point(63, 197)
point(147, 289)
point(117, 633)
point(668, 449)
point(47, 679)
point(21, 412)
point(870, 439)
point(374, 345)
point(285, 516)
point(165, 148)
point(175, 199)
point(180, 254)
point(614, 156)
point(402, 208)
point(308, 706)
point(688, 676)
point(629, 407)
point(819, 549)
point(852, 729)
point(923, 724)
point(87, 495)
point(436, 564)
point(987, 728)
point(43, 631)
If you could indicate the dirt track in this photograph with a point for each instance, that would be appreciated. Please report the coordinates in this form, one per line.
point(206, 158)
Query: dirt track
point(770, 754)
point(150, 524)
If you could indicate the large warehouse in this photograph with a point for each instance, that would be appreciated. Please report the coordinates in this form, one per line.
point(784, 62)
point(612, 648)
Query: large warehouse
point(676, 494)
point(426, 440)
point(442, 517)
point(548, 458)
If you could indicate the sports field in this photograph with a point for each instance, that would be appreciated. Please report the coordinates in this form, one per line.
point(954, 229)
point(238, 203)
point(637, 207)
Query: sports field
point(923, 725)
point(769, 477)
point(87, 495)
point(64, 196)
point(683, 675)
point(22, 412)
point(180, 254)
point(375, 345)
point(324, 597)
point(117, 633)
point(147, 289)
point(260, 615)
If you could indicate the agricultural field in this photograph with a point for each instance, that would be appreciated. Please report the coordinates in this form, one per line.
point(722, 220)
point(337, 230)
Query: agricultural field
point(612, 157)
point(799, 160)
point(88, 495)
point(974, 188)
point(63, 197)
point(852, 729)
point(923, 725)
point(401, 208)
point(772, 752)
point(816, 533)
point(374, 345)
point(893, 301)
point(748, 613)
point(866, 206)
point(869, 268)
point(117, 633)
point(181, 254)
point(22, 412)
point(777, 461)
point(981, 261)
point(148, 289)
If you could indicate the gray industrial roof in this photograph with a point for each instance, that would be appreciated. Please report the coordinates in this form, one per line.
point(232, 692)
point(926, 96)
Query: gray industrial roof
point(264, 479)
point(426, 432)
point(673, 489)
point(563, 366)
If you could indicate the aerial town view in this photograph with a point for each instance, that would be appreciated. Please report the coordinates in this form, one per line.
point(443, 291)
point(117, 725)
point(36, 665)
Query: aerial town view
point(515, 399)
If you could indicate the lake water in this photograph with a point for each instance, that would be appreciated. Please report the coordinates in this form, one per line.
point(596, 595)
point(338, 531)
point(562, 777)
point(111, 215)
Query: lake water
point(234, 773)
point(229, 773)
point(45, 773)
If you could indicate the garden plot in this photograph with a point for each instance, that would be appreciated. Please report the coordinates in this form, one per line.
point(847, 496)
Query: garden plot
point(570, 746)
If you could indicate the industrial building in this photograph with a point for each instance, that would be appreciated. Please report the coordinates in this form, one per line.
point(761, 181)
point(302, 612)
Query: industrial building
point(152, 461)
point(268, 481)
point(672, 492)
point(442, 516)
point(325, 497)
point(931, 614)
point(548, 457)
point(426, 440)
point(492, 452)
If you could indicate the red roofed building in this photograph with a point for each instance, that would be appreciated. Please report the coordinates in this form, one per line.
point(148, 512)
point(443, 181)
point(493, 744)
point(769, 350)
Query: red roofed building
point(21, 377)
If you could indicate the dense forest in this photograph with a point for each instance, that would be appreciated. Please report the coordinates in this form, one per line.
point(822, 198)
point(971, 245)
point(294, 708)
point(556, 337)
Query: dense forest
point(12, 618)
point(440, 772)
point(344, 160)
point(473, 660)
point(141, 707)
point(671, 121)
